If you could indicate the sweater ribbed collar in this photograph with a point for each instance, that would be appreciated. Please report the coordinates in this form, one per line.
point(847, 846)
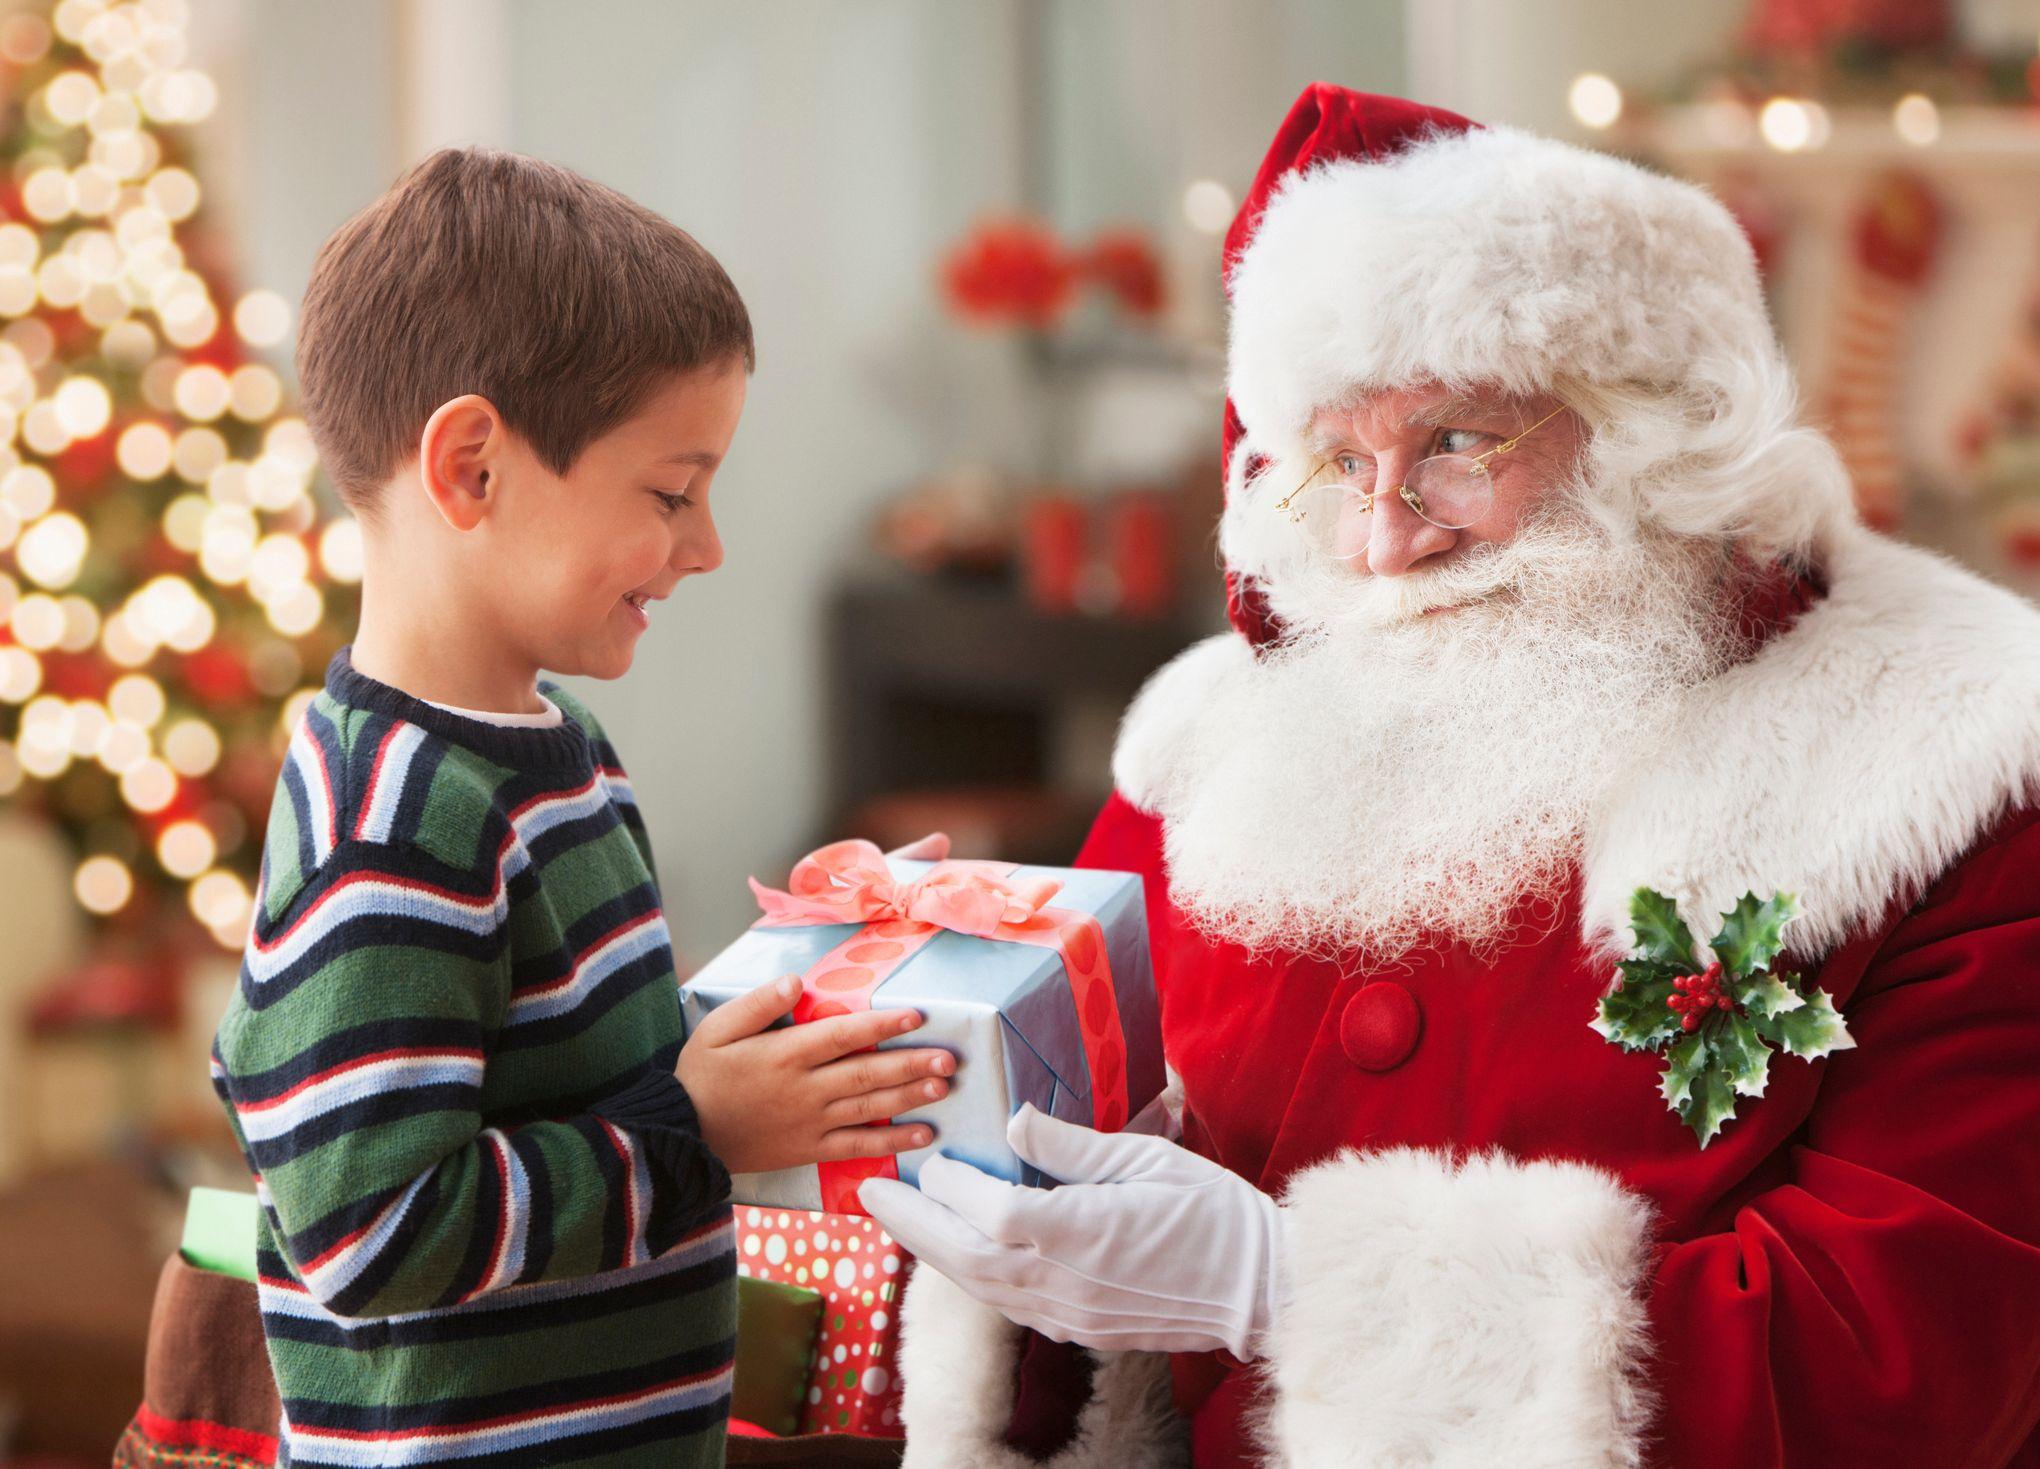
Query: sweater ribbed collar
point(564, 746)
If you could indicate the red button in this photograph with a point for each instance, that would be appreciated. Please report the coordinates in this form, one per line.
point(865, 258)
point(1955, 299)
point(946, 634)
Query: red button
point(1380, 1026)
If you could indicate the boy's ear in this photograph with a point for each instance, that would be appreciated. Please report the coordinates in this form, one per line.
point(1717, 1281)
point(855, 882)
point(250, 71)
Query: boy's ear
point(460, 458)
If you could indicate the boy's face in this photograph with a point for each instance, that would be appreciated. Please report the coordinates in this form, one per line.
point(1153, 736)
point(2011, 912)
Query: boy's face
point(588, 555)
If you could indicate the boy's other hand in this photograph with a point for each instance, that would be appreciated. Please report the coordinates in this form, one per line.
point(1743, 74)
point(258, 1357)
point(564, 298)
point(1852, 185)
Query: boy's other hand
point(806, 1093)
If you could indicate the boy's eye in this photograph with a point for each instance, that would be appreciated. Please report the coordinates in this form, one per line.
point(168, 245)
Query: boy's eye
point(1459, 440)
point(670, 503)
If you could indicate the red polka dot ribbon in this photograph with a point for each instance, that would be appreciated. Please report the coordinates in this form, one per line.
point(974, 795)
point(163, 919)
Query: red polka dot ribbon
point(849, 882)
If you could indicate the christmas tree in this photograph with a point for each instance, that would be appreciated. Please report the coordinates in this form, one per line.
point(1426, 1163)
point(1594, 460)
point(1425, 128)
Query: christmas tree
point(169, 587)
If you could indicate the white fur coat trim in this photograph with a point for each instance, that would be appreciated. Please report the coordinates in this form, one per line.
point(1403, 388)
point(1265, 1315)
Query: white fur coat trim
point(957, 1360)
point(1459, 1314)
point(1850, 762)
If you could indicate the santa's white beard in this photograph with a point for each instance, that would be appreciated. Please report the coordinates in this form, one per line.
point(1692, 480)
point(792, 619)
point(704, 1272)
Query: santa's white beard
point(1386, 778)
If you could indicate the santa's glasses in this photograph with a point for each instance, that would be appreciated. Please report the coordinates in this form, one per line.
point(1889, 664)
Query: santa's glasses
point(1451, 491)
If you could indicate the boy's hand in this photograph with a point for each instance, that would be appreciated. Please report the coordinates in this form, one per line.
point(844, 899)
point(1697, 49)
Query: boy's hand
point(782, 1098)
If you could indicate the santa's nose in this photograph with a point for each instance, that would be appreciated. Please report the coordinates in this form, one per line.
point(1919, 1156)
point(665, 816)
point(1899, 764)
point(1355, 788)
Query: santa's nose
point(1398, 539)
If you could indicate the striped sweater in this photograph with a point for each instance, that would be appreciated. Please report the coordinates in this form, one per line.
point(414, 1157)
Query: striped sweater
point(491, 1232)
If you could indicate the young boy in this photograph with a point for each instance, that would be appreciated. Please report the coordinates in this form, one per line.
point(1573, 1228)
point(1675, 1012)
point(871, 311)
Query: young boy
point(494, 1183)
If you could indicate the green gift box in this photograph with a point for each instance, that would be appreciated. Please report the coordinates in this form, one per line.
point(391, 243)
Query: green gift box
point(219, 1232)
point(776, 1326)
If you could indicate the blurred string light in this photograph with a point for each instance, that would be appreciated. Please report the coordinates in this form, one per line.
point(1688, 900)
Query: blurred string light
point(186, 848)
point(1794, 124)
point(1916, 119)
point(1208, 206)
point(103, 884)
point(1595, 100)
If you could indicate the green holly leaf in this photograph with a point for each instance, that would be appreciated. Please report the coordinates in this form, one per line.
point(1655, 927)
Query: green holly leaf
point(1754, 933)
point(1660, 933)
point(1710, 1103)
point(1634, 1014)
point(1766, 996)
point(1695, 1088)
point(1810, 1030)
point(1740, 1055)
point(1686, 1061)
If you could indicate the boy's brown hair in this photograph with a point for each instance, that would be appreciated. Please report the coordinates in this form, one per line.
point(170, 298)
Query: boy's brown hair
point(557, 299)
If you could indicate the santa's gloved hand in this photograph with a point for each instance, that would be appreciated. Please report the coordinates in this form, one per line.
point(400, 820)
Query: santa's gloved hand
point(1145, 1245)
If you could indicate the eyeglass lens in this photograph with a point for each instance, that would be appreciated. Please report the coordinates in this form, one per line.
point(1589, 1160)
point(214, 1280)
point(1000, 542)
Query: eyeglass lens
point(1450, 491)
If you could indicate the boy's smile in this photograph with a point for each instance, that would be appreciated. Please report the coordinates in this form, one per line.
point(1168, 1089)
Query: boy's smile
point(636, 602)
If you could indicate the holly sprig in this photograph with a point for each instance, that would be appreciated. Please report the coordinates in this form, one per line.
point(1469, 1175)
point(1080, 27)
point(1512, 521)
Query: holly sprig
point(1715, 1021)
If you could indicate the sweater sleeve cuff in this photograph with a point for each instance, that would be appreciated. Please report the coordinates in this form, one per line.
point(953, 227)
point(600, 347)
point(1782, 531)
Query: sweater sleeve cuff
point(689, 1181)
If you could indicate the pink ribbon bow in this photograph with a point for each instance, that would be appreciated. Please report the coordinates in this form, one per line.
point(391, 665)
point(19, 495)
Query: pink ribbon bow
point(848, 882)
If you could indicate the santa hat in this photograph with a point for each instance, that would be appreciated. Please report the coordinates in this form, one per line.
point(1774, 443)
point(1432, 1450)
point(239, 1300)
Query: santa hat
point(1385, 243)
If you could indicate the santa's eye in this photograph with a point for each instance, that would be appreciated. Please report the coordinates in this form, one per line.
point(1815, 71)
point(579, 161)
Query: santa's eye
point(1459, 440)
point(1348, 466)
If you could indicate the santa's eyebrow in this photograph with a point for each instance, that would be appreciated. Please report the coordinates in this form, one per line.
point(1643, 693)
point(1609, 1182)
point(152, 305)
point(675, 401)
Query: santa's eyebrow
point(1455, 410)
point(1323, 442)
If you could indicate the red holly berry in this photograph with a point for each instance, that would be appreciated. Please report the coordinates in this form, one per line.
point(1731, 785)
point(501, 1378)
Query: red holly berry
point(1723, 1002)
point(1691, 1022)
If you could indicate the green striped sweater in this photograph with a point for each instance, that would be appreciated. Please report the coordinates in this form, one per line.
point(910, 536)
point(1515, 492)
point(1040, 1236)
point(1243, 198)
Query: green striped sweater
point(491, 1232)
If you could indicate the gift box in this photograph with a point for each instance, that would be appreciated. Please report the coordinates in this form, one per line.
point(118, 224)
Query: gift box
point(776, 1326)
point(1037, 979)
point(851, 1379)
point(219, 1232)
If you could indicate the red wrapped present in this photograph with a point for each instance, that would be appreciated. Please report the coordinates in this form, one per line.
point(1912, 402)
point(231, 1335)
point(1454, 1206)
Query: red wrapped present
point(853, 1381)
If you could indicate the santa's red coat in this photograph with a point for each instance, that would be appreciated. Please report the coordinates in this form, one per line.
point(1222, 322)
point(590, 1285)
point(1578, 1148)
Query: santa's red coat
point(1503, 1248)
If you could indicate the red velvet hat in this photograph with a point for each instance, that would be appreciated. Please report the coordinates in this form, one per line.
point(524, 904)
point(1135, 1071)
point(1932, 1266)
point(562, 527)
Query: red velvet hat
point(1326, 124)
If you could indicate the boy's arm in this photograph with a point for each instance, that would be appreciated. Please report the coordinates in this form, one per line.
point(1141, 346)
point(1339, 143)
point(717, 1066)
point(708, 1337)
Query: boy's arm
point(356, 1080)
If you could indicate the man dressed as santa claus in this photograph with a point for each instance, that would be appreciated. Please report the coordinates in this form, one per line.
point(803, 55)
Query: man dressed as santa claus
point(1542, 597)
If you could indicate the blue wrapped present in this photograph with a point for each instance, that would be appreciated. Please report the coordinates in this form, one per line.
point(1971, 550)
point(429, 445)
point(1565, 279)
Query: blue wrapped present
point(1037, 979)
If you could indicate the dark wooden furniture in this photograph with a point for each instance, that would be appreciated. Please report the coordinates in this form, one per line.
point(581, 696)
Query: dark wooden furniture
point(941, 686)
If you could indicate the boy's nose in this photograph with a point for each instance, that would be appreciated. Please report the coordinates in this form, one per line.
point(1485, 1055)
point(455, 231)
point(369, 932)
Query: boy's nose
point(699, 552)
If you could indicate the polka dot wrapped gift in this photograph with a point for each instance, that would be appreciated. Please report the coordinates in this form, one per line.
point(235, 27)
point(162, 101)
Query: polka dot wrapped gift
point(853, 1382)
point(1037, 979)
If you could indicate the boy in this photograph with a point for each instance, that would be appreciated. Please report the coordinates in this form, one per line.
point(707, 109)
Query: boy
point(493, 1182)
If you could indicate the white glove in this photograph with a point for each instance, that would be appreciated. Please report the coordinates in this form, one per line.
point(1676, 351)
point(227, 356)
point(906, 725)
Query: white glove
point(1145, 1246)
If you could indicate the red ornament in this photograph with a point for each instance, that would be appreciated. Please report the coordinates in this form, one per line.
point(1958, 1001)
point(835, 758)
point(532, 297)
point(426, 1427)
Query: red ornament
point(84, 466)
point(76, 675)
point(107, 991)
point(73, 333)
point(1053, 532)
point(1011, 270)
point(216, 676)
point(2022, 546)
point(1898, 228)
point(1143, 537)
point(1124, 264)
point(1807, 26)
point(222, 350)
